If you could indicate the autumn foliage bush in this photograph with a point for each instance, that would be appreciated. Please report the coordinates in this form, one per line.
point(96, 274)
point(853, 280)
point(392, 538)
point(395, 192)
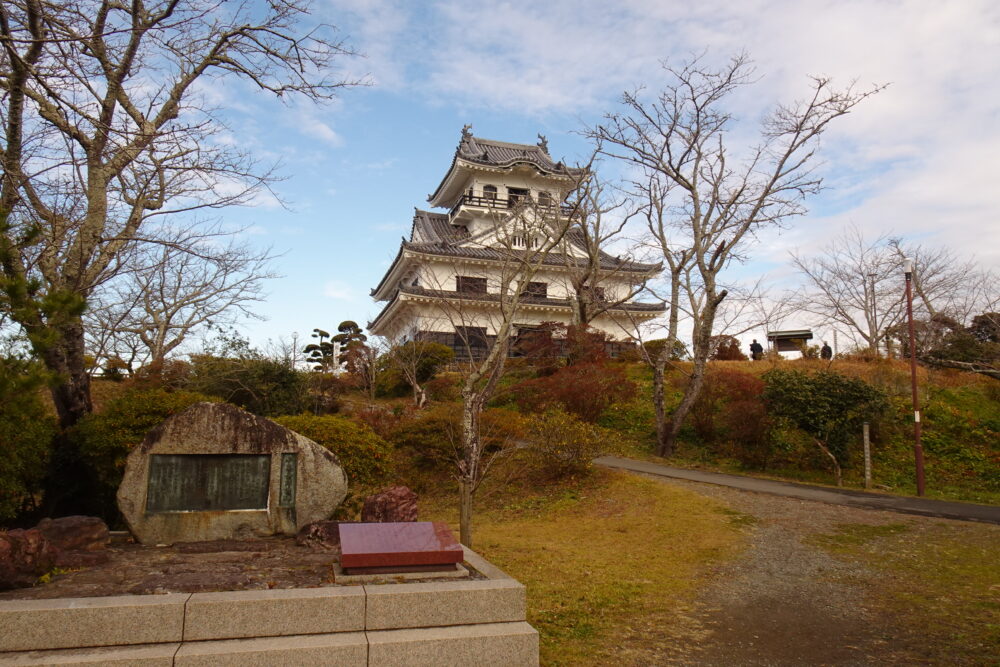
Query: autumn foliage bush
point(432, 438)
point(586, 390)
point(562, 445)
point(731, 419)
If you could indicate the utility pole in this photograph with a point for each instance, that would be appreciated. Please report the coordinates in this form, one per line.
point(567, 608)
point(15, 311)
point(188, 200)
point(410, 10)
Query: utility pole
point(918, 450)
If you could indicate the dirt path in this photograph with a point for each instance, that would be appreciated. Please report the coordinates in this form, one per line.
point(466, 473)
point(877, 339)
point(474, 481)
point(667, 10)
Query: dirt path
point(785, 601)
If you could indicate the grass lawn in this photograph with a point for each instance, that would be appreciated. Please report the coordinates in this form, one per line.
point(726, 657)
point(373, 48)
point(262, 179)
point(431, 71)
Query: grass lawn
point(943, 578)
point(611, 563)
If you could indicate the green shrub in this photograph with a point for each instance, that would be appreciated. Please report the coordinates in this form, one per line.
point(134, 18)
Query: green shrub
point(433, 437)
point(263, 386)
point(105, 438)
point(26, 432)
point(828, 406)
point(365, 457)
point(562, 445)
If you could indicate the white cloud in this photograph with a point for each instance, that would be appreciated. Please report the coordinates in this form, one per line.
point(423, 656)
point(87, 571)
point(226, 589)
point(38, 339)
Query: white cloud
point(339, 290)
point(919, 158)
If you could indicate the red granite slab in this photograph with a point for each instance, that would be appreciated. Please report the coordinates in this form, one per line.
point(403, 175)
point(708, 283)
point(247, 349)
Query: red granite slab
point(397, 544)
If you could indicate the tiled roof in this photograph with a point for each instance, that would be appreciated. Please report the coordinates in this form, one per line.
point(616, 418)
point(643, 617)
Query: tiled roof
point(432, 234)
point(504, 154)
point(435, 228)
point(608, 263)
point(635, 307)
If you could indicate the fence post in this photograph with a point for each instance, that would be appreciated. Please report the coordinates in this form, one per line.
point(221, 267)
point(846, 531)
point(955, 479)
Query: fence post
point(868, 458)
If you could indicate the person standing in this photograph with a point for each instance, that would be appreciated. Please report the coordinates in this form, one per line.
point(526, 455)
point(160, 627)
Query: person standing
point(756, 350)
point(826, 352)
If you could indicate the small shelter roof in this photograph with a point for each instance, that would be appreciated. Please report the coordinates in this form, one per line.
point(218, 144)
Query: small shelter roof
point(792, 334)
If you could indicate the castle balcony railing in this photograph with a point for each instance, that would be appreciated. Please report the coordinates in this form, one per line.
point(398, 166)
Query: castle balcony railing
point(500, 203)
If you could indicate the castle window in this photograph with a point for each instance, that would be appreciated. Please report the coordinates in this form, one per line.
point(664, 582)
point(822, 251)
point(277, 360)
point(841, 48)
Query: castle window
point(536, 290)
point(472, 338)
point(489, 192)
point(516, 196)
point(470, 285)
point(544, 199)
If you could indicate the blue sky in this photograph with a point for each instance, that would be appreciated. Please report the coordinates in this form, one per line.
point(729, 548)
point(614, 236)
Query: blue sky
point(920, 159)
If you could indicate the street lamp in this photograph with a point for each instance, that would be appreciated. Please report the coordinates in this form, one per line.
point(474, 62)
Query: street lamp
point(918, 451)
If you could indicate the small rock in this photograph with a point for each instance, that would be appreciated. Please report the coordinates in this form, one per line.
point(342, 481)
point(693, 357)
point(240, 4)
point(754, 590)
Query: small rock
point(25, 555)
point(395, 504)
point(76, 533)
point(319, 535)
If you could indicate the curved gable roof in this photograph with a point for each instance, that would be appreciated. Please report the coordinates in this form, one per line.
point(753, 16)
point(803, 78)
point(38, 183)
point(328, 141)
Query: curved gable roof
point(503, 155)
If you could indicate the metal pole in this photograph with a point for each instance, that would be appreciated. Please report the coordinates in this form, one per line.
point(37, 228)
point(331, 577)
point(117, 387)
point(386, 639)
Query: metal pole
point(918, 450)
point(868, 458)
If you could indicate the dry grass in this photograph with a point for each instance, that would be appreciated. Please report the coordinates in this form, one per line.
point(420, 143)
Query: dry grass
point(943, 578)
point(611, 564)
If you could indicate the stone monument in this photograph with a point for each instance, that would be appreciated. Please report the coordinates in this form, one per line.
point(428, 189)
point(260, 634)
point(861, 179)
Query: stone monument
point(216, 472)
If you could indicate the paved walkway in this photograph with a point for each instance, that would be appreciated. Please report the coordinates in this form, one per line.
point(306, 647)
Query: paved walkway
point(823, 494)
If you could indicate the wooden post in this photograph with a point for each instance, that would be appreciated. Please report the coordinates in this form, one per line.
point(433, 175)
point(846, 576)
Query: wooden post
point(868, 458)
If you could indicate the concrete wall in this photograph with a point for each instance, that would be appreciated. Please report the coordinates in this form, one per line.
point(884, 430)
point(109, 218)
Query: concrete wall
point(463, 622)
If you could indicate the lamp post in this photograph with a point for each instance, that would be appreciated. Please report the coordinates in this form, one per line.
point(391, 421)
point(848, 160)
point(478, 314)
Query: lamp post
point(918, 450)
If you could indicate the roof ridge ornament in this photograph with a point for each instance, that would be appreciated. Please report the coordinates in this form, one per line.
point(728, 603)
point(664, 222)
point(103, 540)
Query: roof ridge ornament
point(543, 143)
point(466, 131)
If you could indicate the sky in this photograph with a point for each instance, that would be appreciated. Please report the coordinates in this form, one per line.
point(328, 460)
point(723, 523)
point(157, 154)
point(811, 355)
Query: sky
point(919, 160)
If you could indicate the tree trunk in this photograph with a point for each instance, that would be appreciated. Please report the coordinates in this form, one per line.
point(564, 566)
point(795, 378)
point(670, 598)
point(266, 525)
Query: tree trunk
point(668, 443)
point(466, 494)
point(65, 358)
point(659, 372)
point(836, 463)
point(660, 365)
point(701, 348)
point(419, 396)
point(468, 467)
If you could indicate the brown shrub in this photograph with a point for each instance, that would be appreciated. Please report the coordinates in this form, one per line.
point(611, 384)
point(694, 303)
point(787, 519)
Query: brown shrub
point(585, 390)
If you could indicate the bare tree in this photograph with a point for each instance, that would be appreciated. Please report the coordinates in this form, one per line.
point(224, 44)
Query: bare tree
point(718, 202)
point(506, 279)
point(599, 282)
point(362, 362)
point(946, 285)
point(855, 283)
point(181, 284)
point(416, 358)
point(105, 135)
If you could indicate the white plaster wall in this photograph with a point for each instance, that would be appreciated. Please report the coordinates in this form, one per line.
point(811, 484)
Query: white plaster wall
point(441, 275)
point(445, 317)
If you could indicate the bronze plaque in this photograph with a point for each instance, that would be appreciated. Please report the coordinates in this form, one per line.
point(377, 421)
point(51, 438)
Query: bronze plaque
point(205, 482)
